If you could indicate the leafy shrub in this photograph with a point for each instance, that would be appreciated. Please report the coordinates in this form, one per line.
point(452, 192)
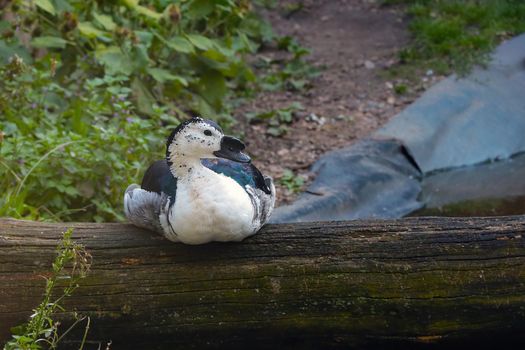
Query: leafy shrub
point(94, 85)
point(70, 157)
point(183, 55)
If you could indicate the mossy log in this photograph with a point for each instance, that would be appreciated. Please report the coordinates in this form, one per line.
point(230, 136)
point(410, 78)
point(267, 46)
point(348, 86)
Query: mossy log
point(446, 281)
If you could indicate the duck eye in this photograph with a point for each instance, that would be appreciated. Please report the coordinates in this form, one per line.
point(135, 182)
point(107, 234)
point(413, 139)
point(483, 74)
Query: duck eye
point(207, 132)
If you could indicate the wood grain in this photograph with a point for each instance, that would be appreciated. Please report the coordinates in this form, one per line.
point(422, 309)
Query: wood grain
point(412, 281)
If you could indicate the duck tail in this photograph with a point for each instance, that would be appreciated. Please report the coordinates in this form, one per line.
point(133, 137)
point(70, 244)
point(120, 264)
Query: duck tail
point(142, 208)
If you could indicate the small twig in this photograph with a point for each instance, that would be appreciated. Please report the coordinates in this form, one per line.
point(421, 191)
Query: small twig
point(85, 334)
point(71, 327)
point(315, 193)
point(44, 208)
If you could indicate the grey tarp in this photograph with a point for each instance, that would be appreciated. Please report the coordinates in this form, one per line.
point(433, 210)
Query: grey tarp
point(373, 178)
point(456, 123)
point(467, 121)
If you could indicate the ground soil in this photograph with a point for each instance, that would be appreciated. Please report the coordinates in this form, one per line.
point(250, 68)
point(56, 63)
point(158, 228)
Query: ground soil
point(356, 42)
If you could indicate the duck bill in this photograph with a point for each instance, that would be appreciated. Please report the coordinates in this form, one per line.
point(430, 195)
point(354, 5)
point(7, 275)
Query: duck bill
point(231, 148)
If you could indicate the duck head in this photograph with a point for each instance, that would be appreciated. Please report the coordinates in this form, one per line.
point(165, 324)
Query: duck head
point(201, 138)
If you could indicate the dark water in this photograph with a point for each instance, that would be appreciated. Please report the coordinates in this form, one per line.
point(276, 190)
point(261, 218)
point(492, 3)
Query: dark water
point(496, 188)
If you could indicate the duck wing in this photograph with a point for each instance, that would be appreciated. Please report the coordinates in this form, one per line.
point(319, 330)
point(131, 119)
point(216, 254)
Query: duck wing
point(159, 179)
point(148, 205)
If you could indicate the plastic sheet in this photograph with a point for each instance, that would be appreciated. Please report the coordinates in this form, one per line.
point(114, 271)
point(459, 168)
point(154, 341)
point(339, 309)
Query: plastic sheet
point(373, 179)
point(471, 120)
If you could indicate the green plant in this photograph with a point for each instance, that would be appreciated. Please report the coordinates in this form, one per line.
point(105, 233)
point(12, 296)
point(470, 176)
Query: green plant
point(185, 55)
point(400, 89)
point(453, 35)
point(89, 90)
point(277, 119)
point(293, 73)
point(67, 156)
point(291, 182)
point(71, 264)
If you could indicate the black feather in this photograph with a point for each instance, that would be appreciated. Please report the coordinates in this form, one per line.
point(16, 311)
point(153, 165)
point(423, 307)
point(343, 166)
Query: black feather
point(158, 178)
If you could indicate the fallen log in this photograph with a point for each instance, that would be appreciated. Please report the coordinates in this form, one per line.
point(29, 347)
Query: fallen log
point(313, 285)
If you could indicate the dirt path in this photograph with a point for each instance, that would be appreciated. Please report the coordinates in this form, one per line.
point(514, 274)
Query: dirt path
point(355, 41)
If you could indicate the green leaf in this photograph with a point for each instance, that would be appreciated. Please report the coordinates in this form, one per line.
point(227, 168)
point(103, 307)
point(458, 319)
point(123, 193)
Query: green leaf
point(145, 37)
point(213, 88)
point(285, 116)
point(277, 130)
point(250, 45)
point(19, 330)
point(219, 46)
point(134, 5)
point(162, 75)
point(214, 55)
point(145, 99)
point(49, 42)
point(114, 61)
point(4, 26)
point(105, 21)
point(296, 106)
point(139, 56)
point(72, 191)
point(88, 30)
point(200, 8)
point(263, 115)
point(8, 50)
point(63, 5)
point(202, 106)
point(180, 44)
point(46, 5)
point(200, 41)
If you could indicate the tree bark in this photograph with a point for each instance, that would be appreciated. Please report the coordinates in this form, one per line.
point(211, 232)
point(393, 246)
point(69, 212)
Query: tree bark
point(449, 281)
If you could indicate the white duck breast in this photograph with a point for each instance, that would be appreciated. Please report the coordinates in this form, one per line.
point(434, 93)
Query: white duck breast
point(189, 202)
point(211, 207)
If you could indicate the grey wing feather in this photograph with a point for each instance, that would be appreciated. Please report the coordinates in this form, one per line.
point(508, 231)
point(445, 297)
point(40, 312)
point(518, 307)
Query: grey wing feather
point(263, 203)
point(143, 208)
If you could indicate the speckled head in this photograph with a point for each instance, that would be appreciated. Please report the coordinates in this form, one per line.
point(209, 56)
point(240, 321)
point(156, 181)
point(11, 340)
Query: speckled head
point(202, 138)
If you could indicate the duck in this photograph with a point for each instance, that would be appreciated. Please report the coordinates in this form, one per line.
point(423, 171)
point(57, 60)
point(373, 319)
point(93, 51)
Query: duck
point(206, 189)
